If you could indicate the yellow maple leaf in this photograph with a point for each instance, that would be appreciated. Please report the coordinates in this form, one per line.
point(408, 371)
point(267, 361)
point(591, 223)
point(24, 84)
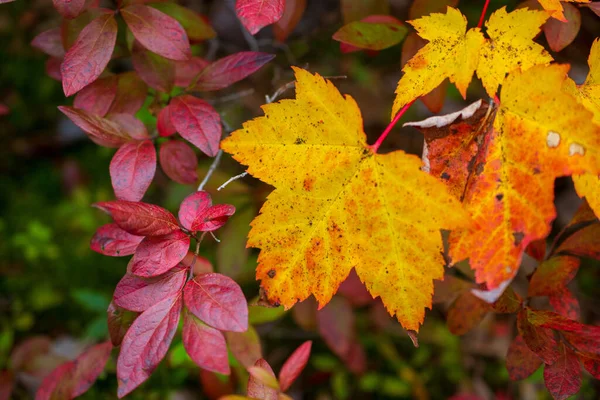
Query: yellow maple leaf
point(452, 52)
point(510, 45)
point(556, 10)
point(588, 185)
point(337, 205)
point(540, 133)
point(455, 53)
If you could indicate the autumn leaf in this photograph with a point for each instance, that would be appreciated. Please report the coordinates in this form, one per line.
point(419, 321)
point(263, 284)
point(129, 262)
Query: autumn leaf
point(178, 162)
point(49, 42)
point(158, 72)
point(560, 34)
point(91, 52)
point(156, 255)
point(563, 376)
point(101, 131)
point(455, 53)
point(245, 346)
point(97, 97)
point(197, 122)
point(111, 240)
point(69, 8)
point(256, 14)
point(510, 46)
point(337, 205)
point(262, 383)
point(294, 365)
point(521, 362)
point(196, 27)
point(131, 94)
point(205, 345)
point(376, 32)
point(555, 9)
point(132, 169)
point(509, 189)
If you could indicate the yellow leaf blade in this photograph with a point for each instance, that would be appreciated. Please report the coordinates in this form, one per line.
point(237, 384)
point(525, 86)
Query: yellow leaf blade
point(339, 206)
point(452, 52)
point(510, 46)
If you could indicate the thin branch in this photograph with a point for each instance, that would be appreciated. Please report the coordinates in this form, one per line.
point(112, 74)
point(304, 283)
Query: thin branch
point(389, 128)
point(211, 170)
point(235, 178)
point(482, 18)
point(233, 96)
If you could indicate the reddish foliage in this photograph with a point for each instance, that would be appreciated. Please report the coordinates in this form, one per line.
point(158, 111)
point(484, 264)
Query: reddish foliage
point(218, 301)
point(49, 42)
point(91, 52)
point(563, 376)
point(132, 169)
point(540, 340)
point(158, 72)
point(205, 345)
point(229, 70)
point(6, 384)
point(178, 161)
point(131, 94)
point(197, 213)
point(139, 218)
point(565, 303)
point(520, 361)
point(465, 313)
point(130, 124)
point(257, 389)
point(119, 320)
point(138, 294)
point(157, 31)
point(197, 122)
point(158, 254)
point(97, 97)
point(163, 123)
point(552, 275)
point(100, 130)
point(146, 343)
point(245, 346)
point(186, 71)
point(294, 365)
point(111, 240)
point(292, 14)
point(69, 8)
point(256, 14)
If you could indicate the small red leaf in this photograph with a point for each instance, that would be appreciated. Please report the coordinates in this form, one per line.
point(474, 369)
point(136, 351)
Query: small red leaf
point(537, 249)
point(49, 42)
point(245, 346)
point(132, 169)
point(157, 71)
point(292, 14)
point(179, 162)
point(551, 320)
point(197, 122)
point(583, 243)
point(157, 31)
point(563, 377)
point(560, 34)
point(591, 365)
point(355, 291)
point(520, 361)
point(565, 303)
point(56, 385)
point(146, 344)
point(118, 320)
point(229, 70)
point(205, 345)
point(465, 313)
point(131, 94)
point(130, 124)
point(294, 365)
point(539, 340)
point(111, 240)
point(138, 294)
point(88, 367)
point(91, 52)
point(139, 218)
point(258, 389)
point(157, 254)
point(196, 27)
point(256, 14)
point(186, 71)
point(100, 130)
point(163, 123)
point(552, 275)
point(97, 97)
point(197, 214)
point(218, 301)
point(336, 325)
point(69, 8)
point(53, 68)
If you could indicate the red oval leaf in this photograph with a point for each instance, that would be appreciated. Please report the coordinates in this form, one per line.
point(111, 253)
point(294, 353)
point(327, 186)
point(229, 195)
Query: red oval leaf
point(294, 365)
point(138, 294)
point(111, 240)
point(563, 377)
point(197, 214)
point(157, 71)
point(132, 169)
point(179, 162)
point(97, 97)
point(139, 218)
point(88, 366)
point(205, 345)
point(163, 123)
point(146, 344)
point(130, 124)
point(197, 122)
point(157, 31)
point(520, 361)
point(56, 383)
point(100, 130)
point(218, 301)
point(561, 34)
point(91, 52)
point(292, 14)
point(229, 70)
point(157, 254)
point(69, 8)
point(186, 71)
point(49, 42)
point(256, 14)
